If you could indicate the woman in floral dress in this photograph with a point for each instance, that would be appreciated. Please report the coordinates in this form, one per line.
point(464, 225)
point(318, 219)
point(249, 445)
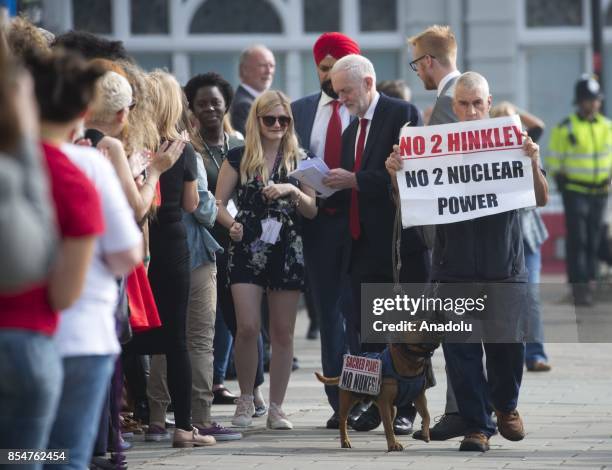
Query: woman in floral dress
point(266, 248)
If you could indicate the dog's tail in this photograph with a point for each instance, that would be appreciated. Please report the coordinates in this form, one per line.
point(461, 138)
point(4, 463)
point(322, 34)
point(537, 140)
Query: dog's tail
point(327, 380)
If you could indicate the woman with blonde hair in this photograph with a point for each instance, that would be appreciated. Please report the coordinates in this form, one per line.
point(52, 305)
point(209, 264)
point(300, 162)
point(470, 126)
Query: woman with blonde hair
point(266, 248)
point(169, 269)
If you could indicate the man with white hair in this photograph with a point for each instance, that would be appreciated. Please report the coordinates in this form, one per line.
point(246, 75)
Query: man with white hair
point(256, 70)
point(364, 194)
point(485, 250)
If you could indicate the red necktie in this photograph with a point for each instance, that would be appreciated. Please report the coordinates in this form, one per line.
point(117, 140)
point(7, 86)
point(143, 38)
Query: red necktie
point(354, 225)
point(333, 138)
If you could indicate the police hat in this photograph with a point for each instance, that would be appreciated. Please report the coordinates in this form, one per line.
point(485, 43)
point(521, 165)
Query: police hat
point(587, 88)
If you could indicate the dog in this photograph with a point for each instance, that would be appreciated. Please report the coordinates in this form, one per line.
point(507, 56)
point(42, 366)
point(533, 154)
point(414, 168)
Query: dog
point(404, 367)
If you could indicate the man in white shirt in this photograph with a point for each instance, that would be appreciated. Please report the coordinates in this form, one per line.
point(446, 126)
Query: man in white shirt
point(319, 121)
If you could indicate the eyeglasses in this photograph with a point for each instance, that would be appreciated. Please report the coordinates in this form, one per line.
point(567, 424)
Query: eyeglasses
point(269, 121)
point(132, 105)
point(413, 64)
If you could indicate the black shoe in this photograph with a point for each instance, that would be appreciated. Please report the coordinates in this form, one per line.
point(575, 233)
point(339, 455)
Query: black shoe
point(402, 425)
point(356, 412)
point(333, 422)
point(295, 365)
point(450, 425)
point(313, 331)
point(369, 419)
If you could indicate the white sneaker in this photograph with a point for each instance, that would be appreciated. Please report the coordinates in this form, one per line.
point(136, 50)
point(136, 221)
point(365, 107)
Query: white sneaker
point(244, 411)
point(277, 418)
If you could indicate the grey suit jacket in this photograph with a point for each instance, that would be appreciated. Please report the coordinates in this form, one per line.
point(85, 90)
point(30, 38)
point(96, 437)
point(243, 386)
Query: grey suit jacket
point(442, 112)
point(241, 105)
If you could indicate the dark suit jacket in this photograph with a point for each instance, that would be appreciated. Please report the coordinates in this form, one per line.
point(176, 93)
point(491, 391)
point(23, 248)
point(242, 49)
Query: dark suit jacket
point(239, 111)
point(371, 255)
point(304, 111)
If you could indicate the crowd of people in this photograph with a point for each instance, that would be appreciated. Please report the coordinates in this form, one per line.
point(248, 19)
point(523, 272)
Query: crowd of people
point(152, 229)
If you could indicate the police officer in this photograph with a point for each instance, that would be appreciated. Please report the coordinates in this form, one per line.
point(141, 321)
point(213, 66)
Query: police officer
point(580, 161)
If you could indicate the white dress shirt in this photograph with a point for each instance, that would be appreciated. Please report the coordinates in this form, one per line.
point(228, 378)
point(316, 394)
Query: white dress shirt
point(445, 80)
point(369, 114)
point(251, 90)
point(321, 121)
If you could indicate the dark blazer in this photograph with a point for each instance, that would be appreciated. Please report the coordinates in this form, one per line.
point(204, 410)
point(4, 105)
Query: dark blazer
point(376, 209)
point(304, 112)
point(239, 111)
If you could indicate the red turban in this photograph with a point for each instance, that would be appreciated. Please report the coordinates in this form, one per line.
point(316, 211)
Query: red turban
point(335, 44)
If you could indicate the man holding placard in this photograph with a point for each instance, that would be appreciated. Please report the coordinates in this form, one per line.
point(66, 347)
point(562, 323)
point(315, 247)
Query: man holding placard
point(478, 239)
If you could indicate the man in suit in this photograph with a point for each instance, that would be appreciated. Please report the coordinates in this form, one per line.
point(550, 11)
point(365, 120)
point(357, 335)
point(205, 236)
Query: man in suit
point(434, 54)
point(256, 72)
point(364, 184)
point(319, 121)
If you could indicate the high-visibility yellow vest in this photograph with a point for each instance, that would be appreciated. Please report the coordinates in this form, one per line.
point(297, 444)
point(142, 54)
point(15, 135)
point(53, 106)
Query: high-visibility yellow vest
point(582, 151)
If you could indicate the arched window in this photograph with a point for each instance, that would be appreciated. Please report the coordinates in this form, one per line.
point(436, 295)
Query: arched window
point(378, 15)
point(321, 16)
point(94, 16)
point(150, 16)
point(235, 16)
point(551, 13)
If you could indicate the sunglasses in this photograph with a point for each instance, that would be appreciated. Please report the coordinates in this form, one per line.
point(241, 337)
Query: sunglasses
point(269, 121)
point(132, 105)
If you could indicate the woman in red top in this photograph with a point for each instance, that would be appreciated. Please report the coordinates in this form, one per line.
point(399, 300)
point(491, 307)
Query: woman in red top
point(31, 370)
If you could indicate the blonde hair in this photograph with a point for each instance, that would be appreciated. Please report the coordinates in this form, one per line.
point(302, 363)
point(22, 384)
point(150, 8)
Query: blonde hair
point(24, 38)
point(141, 132)
point(113, 93)
point(253, 162)
point(167, 98)
point(505, 108)
point(438, 41)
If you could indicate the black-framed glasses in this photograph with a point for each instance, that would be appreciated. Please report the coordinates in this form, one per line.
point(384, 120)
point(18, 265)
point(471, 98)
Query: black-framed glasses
point(413, 64)
point(269, 121)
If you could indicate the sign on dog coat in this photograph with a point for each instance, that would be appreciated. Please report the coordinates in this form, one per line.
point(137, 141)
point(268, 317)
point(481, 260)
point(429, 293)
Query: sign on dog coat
point(361, 374)
point(461, 171)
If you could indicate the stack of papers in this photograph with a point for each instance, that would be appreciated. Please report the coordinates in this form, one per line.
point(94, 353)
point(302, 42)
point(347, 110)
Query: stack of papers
point(311, 172)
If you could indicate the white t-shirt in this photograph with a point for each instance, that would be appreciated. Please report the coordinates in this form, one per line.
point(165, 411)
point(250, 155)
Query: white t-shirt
point(88, 327)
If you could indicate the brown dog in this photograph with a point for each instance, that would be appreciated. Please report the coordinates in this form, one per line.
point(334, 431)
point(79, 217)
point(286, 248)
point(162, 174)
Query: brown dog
point(409, 361)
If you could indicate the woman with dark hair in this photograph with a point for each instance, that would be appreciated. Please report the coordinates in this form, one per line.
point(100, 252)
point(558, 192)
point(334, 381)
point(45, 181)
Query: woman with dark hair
point(210, 96)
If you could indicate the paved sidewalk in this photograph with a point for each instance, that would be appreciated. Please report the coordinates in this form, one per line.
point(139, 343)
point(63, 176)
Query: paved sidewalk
point(567, 413)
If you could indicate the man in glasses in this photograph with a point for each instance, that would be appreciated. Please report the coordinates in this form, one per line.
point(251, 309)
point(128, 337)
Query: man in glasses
point(434, 54)
point(320, 120)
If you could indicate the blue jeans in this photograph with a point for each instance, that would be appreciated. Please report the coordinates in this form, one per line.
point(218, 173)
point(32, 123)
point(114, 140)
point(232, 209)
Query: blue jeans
point(86, 382)
point(534, 351)
point(476, 394)
point(30, 384)
point(222, 347)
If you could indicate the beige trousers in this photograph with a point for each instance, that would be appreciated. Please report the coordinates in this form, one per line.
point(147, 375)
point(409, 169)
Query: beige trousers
point(201, 314)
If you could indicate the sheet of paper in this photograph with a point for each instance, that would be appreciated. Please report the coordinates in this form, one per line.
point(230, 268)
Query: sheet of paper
point(311, 172)
point(270, 229)
point(231, 208)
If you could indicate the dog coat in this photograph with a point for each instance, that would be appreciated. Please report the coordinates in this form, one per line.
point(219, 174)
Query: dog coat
point(408, 388)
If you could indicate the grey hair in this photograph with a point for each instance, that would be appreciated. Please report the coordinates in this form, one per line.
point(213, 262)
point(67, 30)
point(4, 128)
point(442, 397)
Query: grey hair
point(357, 66)
point(473, 81)
point(246, 53)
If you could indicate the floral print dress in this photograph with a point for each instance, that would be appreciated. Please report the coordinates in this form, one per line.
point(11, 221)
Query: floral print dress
point(277, 266)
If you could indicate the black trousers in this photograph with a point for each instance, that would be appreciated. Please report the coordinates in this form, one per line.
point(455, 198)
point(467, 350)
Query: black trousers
point(583, 222)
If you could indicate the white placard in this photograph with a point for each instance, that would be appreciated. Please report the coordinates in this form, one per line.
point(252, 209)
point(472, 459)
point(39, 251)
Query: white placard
point(361, 374)
point(465, 170)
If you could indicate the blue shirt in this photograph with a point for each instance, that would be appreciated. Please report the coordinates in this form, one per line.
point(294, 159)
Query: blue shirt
point(202, 246)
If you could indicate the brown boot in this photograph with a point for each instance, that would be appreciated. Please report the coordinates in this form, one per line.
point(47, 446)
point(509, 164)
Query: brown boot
point(510, 425)
point(475, 442)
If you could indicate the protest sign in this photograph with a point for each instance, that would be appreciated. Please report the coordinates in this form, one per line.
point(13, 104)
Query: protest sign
point(461, 171)
point(361, 374)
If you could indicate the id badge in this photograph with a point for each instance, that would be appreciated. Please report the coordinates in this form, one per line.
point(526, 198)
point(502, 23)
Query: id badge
point(270, 229)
